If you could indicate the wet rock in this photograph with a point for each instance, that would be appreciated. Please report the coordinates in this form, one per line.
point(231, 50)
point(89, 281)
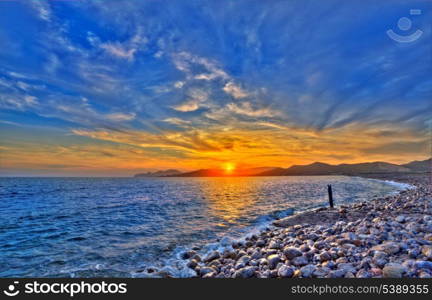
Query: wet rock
point(188, 254)
point(212, 256)
point(206, 270)
point(209, 275)
point(192, 264)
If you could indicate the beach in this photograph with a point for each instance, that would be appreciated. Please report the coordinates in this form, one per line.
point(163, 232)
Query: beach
point(388, 237)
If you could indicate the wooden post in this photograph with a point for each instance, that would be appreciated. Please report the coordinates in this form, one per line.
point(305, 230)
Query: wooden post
point(330, 194)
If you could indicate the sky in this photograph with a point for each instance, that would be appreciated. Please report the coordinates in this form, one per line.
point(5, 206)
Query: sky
point(112, 88)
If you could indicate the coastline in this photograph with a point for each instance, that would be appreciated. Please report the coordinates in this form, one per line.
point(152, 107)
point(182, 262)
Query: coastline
point(383, 237)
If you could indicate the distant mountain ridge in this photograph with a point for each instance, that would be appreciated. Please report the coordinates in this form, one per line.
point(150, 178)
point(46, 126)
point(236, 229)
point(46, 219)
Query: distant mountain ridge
point(170, 172)
point(317, 168)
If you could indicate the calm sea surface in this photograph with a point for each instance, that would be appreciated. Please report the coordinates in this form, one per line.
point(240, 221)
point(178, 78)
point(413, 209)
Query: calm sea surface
point(121, 226)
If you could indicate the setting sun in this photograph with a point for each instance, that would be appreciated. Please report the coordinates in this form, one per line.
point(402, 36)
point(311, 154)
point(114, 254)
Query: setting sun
point(229, 168)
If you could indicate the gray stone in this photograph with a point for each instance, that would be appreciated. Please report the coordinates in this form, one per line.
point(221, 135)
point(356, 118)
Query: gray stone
point(291, 252)
point(427, 251)
point(325, 256)
point(285, 271)
point(299, 261)
point(275, 245)
point(205, 270)
point(388, 247)
point(273, 260)
point(393, 271)
point(212, 256)
point(423, 264)
point(307, 270)
point(247, 272)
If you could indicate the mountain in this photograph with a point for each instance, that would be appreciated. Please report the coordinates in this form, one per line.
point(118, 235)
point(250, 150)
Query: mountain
point(319, 168)
point(420, 166)
point(222, 173)
point(170, 172)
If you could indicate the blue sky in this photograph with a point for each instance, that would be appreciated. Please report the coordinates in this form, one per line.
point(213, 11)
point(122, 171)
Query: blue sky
point(115, 87)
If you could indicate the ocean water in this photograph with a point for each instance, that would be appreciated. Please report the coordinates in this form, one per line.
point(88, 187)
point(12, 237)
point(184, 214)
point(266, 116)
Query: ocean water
point(88, 227)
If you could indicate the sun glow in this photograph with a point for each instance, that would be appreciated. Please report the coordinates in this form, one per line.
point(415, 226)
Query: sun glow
point(229, 168)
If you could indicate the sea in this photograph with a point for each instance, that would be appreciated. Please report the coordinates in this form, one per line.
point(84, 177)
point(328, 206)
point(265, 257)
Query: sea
point(124, 227)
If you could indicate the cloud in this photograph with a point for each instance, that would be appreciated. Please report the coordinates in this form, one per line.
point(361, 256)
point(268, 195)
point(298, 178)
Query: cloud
point(197, 67)
point(235, 90)
point(119, 50)
point(42, 9)
point(247, 109)
point(198, 97)
point(177, 121)
point(120, 117)
point(124, 50)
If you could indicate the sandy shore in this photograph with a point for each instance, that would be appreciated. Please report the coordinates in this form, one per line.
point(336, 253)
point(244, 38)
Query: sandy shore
point(385, 237)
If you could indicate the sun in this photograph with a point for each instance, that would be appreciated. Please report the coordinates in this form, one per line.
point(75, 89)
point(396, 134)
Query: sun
point(229, 168)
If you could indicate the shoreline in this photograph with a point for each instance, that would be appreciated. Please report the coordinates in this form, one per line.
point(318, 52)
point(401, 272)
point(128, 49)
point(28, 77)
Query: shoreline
point(383, 237)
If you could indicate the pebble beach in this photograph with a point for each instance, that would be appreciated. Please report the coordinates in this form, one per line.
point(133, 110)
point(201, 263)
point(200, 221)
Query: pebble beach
point(387, 237)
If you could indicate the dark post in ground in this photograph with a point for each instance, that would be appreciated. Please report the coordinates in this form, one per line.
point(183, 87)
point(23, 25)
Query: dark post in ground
point(330, 193)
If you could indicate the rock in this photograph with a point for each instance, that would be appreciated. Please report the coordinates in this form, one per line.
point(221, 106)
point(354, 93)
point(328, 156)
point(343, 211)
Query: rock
point(393, 271)
point(400, 219)
point(321, 272)
point(376, 272)
point(275, 245)
point(304, 248)
point(226, 241)
point(205, 270)
point(427, 251)
point(423, 264)
point(363, 273)
point(299, 261)
point(247, 272)
point(212, 256)
point(324, 256)
point(425, 275)
point(388, 247)
point(347, 267)
point(413, 253)
point(260, 243)
point(244, 260)
point(285, 271)
point(337, 273)
point(209, 275)
point(188, 254)
point(291, 252)
point(192, 264)
point(273, 260)
point(307, 270)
